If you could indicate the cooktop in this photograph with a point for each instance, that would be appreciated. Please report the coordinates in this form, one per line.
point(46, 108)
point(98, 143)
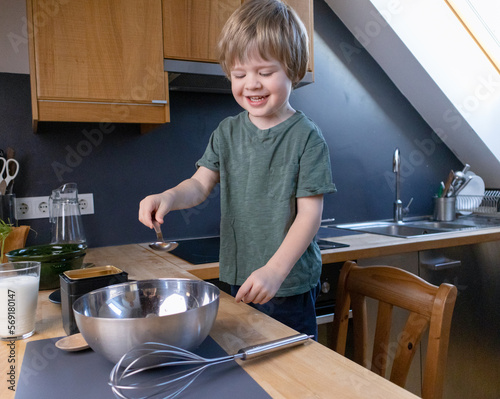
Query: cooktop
point(198, 250)
point(206, 250)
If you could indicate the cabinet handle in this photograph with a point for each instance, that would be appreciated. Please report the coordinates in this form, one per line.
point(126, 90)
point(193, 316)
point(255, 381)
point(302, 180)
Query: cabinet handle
point(441, 264)
point(159, 101)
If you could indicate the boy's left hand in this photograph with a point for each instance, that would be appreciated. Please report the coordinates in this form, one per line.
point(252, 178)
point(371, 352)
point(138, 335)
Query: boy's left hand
point(260, 286)
point(263, 283)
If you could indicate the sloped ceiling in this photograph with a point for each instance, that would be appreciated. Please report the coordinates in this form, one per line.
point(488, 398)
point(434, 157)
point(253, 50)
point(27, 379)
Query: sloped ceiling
point(438, 67)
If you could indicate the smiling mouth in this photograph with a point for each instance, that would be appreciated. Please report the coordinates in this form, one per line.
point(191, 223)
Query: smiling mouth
point(257, 98)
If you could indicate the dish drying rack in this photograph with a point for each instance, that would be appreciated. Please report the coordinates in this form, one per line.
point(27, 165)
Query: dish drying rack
point(488, 204)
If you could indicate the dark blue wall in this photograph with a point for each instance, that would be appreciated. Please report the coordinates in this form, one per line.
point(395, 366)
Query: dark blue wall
point(361, 113)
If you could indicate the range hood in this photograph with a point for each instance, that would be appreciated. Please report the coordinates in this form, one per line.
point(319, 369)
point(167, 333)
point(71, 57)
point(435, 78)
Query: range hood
point(203, 77)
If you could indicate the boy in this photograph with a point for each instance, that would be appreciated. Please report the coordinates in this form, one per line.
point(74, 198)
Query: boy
point(273, 167)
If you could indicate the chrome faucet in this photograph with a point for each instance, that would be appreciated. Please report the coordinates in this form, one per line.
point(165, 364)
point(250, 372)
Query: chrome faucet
point(396, 168)
point(399, 211)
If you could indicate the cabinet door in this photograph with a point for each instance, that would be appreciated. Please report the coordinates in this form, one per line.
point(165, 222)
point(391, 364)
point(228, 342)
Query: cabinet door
point(191, 28)
point(99, 50)
point(305, 11)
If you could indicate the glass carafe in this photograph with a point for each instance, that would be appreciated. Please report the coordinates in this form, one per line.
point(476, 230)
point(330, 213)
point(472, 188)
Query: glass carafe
point(65, 216)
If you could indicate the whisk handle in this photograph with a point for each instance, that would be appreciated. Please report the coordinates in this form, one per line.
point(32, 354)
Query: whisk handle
point(272, 346)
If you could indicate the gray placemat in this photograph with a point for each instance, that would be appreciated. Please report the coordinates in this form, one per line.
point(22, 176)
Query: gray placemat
point(48, 372)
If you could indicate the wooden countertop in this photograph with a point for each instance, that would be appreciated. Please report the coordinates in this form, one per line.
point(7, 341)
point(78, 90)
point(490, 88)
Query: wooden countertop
point(307, 371)
point(362, 246)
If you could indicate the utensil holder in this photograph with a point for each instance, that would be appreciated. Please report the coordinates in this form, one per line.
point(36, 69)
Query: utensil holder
point(8, 209)
point(444, 209)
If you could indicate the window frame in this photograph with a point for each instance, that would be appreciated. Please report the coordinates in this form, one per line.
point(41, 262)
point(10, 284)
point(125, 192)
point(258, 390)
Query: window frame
point(477, 28)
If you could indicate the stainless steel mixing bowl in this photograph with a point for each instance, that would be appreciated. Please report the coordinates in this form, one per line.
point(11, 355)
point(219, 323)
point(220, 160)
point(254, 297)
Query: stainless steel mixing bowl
point(179, 312)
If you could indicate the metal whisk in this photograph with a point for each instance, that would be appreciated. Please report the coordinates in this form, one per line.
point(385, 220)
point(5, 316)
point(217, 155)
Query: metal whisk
point(185, 367)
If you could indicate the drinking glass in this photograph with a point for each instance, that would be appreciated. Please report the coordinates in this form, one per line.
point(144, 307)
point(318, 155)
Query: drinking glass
point(19, 283)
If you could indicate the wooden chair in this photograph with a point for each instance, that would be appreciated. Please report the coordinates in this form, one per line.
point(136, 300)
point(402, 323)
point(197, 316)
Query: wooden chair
point(429, 307)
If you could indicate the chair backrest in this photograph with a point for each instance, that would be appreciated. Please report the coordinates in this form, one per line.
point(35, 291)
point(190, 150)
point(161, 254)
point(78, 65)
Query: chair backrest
point(430, 307)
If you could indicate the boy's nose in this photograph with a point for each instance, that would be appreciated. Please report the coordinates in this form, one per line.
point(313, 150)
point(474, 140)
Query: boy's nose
point(253, 82)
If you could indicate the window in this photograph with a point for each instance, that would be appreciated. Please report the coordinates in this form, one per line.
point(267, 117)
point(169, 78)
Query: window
point(481, 18)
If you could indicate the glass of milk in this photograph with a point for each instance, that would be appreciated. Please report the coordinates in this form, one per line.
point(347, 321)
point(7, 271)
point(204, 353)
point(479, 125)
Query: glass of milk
point(19, 282)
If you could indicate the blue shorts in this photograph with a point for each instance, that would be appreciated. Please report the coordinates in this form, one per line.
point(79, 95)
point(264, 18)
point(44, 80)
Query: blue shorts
point(297, 311)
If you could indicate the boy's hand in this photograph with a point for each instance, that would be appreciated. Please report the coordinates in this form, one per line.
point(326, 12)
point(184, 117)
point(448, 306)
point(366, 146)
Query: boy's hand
point(263, 283)
point(153, 207)
point(260, 287)
point(188, 193)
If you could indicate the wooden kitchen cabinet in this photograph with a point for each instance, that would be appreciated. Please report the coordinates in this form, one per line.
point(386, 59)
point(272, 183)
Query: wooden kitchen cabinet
point(305, 11)
point(97, 60)
point(191, 28)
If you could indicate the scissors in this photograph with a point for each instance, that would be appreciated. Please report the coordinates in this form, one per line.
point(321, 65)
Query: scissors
point(8, 173)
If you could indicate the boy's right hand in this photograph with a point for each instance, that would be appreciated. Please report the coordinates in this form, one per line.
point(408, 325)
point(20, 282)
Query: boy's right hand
point(188, 193)
point(154, 207)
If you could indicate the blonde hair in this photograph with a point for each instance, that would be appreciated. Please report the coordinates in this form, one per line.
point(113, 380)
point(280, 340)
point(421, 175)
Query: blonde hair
point(273, 29)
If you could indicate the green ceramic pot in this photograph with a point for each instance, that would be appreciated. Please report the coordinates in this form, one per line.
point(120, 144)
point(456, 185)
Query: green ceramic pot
point(55, 259)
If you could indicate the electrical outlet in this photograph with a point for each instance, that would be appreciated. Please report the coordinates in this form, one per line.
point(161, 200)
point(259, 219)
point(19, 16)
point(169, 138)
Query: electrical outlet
point(38, 207)
point(43, 207)
point(86, 204)
point(22, 208)
point(83, 204)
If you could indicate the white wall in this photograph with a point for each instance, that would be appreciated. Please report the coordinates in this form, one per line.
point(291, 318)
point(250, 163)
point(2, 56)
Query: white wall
point(435, 63)
point(13, 37)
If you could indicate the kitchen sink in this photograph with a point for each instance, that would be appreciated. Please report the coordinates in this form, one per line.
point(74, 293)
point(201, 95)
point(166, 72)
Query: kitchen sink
point(440, 225)
point(393, 229)
point(415, 227)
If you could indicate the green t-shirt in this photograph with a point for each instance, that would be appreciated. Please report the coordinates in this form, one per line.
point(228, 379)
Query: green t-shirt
point(262, 172)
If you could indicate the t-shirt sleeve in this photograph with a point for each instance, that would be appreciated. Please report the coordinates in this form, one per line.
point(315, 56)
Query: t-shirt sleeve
point(315, 174)
point(210, 158)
